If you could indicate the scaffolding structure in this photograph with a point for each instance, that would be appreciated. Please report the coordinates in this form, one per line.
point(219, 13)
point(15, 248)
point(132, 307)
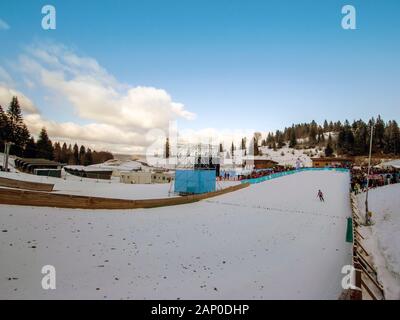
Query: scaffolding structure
point(192, 155)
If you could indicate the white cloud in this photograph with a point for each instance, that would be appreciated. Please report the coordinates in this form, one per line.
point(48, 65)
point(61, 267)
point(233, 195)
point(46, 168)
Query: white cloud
point(119, 115)
point(6, 95)
point(5, 77)
point(4, 25)
point(98, 96)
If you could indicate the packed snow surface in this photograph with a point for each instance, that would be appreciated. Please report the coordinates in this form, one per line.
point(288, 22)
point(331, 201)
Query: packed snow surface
point(383, 240)
point(271, 240)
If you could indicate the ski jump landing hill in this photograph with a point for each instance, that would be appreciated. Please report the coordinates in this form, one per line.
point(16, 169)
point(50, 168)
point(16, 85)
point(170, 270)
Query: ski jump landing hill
point(271, 240)
point(30, 193)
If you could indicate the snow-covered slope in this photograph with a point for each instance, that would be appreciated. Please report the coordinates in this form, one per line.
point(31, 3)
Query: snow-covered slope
point(271, 240)
point(288, 156)
point(105, 188)
point(383, 238)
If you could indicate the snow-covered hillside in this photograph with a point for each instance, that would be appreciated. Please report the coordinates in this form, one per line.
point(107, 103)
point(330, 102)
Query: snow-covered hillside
point(383, 238)
point(289, 156)
point(271, 240)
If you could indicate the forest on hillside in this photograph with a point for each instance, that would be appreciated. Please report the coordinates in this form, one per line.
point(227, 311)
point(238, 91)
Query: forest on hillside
point(14, 130)
point(333, 137)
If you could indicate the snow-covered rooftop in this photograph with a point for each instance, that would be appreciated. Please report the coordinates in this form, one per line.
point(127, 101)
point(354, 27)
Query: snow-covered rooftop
point(393, 163)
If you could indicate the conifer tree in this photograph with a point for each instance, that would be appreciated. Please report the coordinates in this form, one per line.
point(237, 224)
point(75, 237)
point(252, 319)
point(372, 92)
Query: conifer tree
point(293, 140)
point(82, 152)
point(44, 146)
point(17, 131)
point(329, 148)
point(167, 148)
point(75, 154)
point(30, 150)
point(88, 157)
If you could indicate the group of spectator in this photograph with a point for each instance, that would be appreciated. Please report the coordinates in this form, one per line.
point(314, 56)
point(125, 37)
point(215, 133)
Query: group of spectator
point(259, 173)
point(255, 173)
point(378, 177)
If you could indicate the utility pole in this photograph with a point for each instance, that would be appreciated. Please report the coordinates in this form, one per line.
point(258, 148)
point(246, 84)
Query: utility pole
point(367, 219)
point(7, 146)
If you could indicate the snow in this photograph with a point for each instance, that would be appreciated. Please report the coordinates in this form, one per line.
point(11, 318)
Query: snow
point(289, 156)
point(105, 188)
point(127, 165)
point(10, 162)
point(393, 163)
point(273, 240)
point(383, 238)
point(86, 168)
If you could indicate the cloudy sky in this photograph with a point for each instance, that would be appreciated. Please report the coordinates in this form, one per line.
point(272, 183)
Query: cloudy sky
point(114, 73)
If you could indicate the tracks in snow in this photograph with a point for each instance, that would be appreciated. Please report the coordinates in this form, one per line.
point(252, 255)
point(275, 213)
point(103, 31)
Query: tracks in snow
point(270, 209)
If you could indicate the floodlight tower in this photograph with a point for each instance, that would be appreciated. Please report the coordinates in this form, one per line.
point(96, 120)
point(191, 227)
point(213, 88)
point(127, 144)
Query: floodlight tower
point(367, 217)
point(7, 146)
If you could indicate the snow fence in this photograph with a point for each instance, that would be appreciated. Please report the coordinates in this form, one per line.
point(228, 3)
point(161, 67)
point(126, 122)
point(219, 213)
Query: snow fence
point(286, 173)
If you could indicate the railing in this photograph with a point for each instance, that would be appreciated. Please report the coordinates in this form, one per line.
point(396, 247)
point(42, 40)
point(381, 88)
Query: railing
point(27, 185)
point(48, 199)
point(366, 278)
point(285, 173)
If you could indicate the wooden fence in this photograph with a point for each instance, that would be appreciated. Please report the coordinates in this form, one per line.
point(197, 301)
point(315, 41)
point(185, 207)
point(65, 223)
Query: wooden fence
point(366, 279)
point(27, 185)
point(46, 199)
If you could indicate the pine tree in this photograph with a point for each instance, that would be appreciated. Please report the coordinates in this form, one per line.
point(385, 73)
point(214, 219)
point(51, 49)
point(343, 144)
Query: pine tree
point(326, 126)
point(271, 140)
point(17, 133)
point(330, 128)
point(232, 149)
point(345, 143)
point(329, 148)
point(360, 131)
point(293, 140)
point(4, 128)
point(57, 152)
point(88, 157)
point(243, 145)
point(279, 138)
point(379, 133)
point(44, 146)
point(264, 142)
point(167, 148)
point(75, 154)
point(64, 153)
point(321, 137)
point(30, 150)
point(256, 151)
point(313, 131)
point(391, 138)
point(82, 152)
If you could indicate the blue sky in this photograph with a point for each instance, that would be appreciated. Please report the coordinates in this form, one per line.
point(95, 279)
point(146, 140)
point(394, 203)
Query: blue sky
point(235, 64)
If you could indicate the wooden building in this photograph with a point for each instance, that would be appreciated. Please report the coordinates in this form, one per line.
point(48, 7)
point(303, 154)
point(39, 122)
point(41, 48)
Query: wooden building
point(332, 162)
point(39, 166)
point(89, 172)
point(259, 162)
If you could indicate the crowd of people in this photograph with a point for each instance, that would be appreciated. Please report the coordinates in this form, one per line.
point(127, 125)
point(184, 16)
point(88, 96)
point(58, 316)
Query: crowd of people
point(259, 173)
point(378, 177)
point(255, 173)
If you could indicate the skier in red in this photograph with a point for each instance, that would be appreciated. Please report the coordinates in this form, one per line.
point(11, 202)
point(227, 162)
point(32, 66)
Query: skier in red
point(320, 196)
